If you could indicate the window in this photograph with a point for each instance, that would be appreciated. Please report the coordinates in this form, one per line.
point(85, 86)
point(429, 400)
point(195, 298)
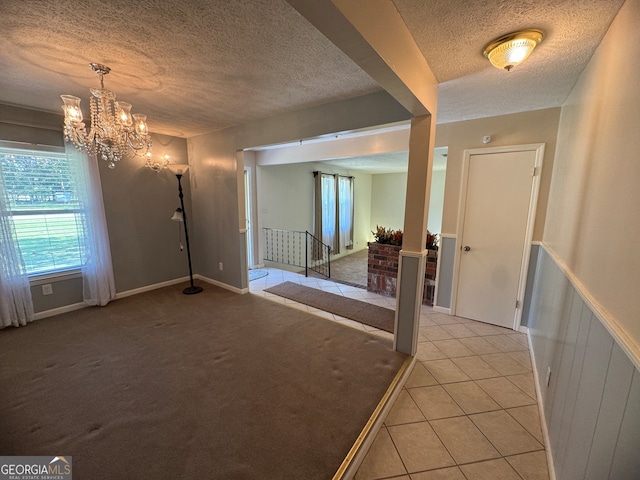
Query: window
point(43, 204)
point(328, 210)
point(334, 193)
point(345, 209)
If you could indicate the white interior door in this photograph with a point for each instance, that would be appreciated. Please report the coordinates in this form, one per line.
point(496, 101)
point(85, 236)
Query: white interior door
point(493, 239)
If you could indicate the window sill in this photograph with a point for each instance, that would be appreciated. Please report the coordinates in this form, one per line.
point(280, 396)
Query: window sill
point(40, 279)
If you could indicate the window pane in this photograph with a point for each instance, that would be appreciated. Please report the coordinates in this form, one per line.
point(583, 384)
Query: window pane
point(328, 209)
point(345, 194)
point(48, 241)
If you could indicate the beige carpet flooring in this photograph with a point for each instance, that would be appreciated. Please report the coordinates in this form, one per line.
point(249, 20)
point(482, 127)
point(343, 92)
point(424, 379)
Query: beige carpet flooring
point(167, 386)
point(351, 269)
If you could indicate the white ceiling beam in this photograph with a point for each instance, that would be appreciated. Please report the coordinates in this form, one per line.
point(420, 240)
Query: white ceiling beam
point(337, 148)
point(373, 34)
point(366, 111)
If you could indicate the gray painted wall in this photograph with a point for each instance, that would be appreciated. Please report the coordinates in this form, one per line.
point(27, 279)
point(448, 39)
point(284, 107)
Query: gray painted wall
point(217, 195)
point(65, 292)
point(30, 126)
point(592, 402)
point(138, 205)
point(446, 258)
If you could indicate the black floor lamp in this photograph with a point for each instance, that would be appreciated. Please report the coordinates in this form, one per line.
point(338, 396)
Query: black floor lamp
point(180, 170)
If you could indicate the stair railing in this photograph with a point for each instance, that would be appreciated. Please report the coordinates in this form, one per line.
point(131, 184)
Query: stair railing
point(299, 249)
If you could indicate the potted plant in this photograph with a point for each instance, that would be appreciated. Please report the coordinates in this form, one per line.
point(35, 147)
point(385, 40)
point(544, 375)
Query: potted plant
point(388, 236)
point(383, 262)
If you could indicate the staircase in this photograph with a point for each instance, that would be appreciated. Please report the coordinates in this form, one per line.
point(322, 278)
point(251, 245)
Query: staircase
point(299, 249)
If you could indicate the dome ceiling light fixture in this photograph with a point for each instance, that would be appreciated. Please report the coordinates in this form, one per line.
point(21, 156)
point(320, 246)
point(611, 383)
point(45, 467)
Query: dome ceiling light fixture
point(114, 130)
point(509, 50)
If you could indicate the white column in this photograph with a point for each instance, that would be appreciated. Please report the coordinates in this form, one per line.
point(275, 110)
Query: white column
point(413, 255)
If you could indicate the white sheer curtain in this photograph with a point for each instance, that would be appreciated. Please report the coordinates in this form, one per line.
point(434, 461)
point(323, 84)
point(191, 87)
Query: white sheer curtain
point(329, 208)
point(97, 272)
point(345, 207)
point(16, 306)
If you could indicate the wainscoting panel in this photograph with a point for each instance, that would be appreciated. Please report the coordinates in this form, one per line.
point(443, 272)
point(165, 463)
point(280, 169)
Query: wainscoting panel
point(626, 459)
point(611, 416)
point(446, 258)
point(590, 388)
point(244, 276)
point(528, 292)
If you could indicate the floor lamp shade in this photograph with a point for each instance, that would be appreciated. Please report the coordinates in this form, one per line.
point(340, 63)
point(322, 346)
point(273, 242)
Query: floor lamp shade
point(178, 216)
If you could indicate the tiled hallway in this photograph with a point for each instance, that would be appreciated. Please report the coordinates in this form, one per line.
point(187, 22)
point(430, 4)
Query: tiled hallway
point(468, 410)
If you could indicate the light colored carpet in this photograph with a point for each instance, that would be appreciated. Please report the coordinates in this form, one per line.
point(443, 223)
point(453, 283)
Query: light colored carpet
point(351, 269)
point(363, 312)
point(217, 385)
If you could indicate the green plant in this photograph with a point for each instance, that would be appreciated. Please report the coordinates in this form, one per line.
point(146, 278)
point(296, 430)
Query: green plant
point(388, 236)
point(432, 241)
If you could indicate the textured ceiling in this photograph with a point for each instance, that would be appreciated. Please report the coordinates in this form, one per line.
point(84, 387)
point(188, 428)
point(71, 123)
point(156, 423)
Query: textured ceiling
point(192, 67)
point(201, 65)
point(452, 35)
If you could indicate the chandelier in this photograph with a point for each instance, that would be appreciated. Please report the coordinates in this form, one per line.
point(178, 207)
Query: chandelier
point(156, 164)
point(114, 130)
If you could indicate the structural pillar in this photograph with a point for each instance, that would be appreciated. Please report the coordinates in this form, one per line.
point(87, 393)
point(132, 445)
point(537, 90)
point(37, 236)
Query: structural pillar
point(412, 261)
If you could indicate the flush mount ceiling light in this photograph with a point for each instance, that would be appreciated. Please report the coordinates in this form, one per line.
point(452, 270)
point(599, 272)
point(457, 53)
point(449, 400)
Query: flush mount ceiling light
point(511, 49)
point(114, 130)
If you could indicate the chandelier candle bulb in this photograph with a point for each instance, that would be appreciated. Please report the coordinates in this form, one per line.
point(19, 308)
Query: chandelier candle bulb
point(72, 108)
point(141, 123)
point(124, 112)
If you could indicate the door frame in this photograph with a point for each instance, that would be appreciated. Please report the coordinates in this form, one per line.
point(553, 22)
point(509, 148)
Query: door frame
point(538, 148)
point(248, 214)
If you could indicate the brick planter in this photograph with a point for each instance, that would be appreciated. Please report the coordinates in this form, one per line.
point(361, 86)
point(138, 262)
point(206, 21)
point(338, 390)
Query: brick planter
point(382, 271)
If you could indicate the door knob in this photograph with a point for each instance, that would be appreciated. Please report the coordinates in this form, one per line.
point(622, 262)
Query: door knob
point(467, 248)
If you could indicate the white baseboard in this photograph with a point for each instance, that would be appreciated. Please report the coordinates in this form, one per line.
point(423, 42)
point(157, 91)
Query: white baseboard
point(441, 309)
point(543, 421)
point(148, 288)
point(135, 291)
point(523, 329)
point(222, 285)
point(58, 311)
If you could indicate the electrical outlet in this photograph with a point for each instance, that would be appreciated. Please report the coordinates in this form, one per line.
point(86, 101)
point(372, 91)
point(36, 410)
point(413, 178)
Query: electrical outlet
point(47, 289)
point(548, 376)
point(220, 266)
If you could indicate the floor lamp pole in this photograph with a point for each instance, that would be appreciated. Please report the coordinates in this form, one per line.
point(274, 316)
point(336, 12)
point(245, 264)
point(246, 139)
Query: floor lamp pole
point(191, 289)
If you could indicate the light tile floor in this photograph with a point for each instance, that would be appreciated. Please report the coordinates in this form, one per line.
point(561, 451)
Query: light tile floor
point(467, 412)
